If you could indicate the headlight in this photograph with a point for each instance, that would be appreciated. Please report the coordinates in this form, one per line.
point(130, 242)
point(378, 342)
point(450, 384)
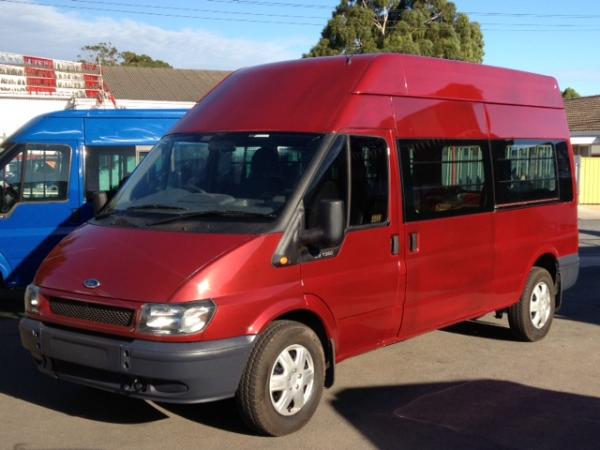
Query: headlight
point(176, 319)
point(32, 299)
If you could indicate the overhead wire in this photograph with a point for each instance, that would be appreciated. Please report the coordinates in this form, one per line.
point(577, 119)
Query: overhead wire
point(138, 9)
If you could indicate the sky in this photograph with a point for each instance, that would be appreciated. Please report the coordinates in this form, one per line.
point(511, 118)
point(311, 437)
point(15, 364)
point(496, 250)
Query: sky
point(552, 37)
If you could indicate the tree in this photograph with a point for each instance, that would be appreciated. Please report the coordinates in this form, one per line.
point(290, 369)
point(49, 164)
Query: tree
point(106, 54)
point(419, 27)
point(101, 53)
point(570, 93)
point(133, 59)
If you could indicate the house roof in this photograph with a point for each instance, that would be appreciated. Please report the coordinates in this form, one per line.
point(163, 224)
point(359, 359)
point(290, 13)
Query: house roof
point(143, 83)
point(583, 114)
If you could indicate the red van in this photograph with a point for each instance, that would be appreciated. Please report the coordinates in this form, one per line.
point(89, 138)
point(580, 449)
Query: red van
point(305, 212)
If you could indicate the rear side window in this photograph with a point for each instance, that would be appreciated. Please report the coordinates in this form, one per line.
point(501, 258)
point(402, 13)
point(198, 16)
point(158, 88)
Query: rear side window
point(565, 177)
point(443, 178)
point(107, 167)
point(524, 171)
point(369, 189)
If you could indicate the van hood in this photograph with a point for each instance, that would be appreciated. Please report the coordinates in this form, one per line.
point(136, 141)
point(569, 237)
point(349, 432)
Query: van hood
point(131, 264)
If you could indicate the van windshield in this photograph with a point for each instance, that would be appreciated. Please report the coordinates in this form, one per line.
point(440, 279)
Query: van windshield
point(220, 176)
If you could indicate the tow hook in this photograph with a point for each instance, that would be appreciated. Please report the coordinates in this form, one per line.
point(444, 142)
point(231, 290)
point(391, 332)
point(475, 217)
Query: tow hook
point(136, 385)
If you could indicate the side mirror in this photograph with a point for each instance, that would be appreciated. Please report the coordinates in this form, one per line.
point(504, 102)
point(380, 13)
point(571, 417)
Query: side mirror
point(99, 200)
point(331, 224)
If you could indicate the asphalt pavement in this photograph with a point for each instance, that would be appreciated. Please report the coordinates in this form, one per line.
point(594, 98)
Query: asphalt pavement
point(467, 387)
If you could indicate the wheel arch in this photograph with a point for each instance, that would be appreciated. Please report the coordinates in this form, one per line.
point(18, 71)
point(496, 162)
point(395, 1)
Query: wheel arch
point(314, 313)
point(547, 259)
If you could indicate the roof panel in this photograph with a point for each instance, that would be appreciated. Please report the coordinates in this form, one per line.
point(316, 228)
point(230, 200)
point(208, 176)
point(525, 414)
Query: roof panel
point(144, 83)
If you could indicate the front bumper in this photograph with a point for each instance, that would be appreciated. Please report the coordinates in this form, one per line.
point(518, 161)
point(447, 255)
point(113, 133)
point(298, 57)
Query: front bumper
point(170, 372)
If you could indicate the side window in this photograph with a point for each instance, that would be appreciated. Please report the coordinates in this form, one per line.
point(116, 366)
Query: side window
point(369, 188)
point(36, 173)
point(565, 177)
point(46, 174)
point(10, 183)
point(106, 167)
point(331, 182)
point(443, 178)
point(524, 171)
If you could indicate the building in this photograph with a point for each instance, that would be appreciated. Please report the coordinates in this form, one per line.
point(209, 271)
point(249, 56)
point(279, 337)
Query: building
point(143, 87)
point(583, 115)
point(30, 86)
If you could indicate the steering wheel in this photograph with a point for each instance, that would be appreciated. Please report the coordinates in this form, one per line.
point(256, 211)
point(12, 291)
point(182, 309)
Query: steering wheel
point(9, 196)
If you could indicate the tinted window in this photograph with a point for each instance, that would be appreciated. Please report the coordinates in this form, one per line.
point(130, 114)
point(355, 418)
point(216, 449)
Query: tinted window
point(369, 189)
point(565, 177)
point(106, 167)
point(524, 171)
point(219, 176)
point(443, 178)
point(331, 182)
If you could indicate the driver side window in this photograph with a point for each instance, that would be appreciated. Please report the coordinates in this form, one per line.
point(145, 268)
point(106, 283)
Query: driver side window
point(35, 173)
point(11, 183)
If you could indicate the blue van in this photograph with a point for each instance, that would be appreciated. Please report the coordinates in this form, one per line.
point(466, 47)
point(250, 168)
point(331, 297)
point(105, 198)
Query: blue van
point(53, 168)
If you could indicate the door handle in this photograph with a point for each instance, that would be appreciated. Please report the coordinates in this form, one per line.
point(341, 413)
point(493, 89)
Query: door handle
point(395, 244)
point(414, 242)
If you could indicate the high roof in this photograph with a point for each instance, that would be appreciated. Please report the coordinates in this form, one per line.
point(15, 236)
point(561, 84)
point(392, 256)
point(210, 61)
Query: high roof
point(143, 83)
point(117, 113)
point(583, 114)
point(308, 94)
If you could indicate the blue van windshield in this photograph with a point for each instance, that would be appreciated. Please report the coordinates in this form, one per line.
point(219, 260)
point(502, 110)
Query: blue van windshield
point(231, 175)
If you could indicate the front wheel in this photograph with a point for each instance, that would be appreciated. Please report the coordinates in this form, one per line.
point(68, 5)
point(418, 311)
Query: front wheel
point(283, 380)
point(531, 318)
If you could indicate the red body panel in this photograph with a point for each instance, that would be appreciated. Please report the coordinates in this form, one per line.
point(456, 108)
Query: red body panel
point(137, 265)
point(365, 296)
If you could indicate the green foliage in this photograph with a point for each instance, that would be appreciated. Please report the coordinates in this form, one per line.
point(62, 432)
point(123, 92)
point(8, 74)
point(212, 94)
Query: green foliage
point(419, 27)
point(106, 54)
point(101, 53)
point(133, 59)
point(570, 93)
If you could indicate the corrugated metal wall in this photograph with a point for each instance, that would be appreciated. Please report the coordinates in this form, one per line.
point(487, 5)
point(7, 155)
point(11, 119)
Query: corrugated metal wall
point(589, 181)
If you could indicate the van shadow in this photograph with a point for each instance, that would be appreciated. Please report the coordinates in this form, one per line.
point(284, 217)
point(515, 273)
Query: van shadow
point(20, 379)
point(589, 232)
point(482, 329)
point(475, 414)
point(581, 303)
point(221, 415)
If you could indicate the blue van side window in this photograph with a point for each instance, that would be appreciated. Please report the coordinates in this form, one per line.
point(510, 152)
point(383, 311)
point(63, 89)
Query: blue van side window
point(34, 173)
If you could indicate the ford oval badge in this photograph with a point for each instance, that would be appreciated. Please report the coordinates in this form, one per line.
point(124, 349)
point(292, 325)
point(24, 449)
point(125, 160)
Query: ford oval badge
point(91, 283)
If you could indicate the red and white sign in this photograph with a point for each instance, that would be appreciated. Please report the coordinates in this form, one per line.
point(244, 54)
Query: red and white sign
point(22, 75)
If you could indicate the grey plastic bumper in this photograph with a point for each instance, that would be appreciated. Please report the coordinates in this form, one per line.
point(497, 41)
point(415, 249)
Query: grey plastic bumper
point(169, 372)
point(568, 267)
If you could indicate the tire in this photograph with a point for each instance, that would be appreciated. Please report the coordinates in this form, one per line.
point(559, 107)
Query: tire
point(263, 407)
point(531, 318)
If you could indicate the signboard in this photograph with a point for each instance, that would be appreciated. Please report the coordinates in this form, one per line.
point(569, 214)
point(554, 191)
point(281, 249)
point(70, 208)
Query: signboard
point(32, 76)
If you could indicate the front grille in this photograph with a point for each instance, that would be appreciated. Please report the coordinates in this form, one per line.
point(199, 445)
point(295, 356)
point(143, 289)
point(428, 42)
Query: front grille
point(92, 312)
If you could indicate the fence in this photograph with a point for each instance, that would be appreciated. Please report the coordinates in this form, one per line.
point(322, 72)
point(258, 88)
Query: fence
point(589, 181)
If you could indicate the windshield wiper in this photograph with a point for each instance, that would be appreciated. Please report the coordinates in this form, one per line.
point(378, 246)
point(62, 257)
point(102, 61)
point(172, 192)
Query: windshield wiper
point(157, 206)
point(214, 213)
point(104, 214)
